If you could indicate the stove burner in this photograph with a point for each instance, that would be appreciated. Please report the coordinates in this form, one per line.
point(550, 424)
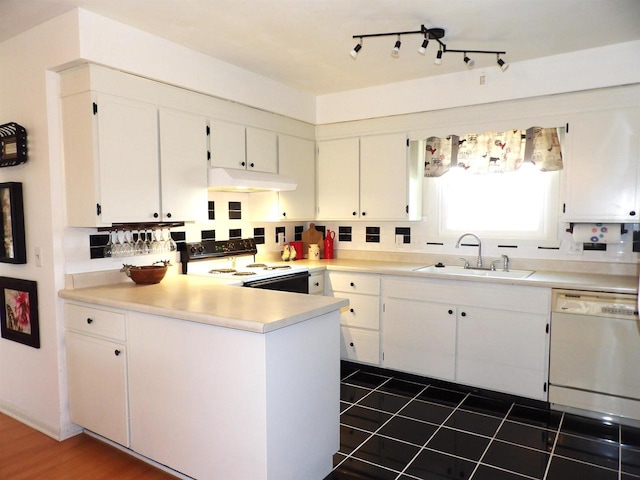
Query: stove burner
point(244, 274)
point(256, 265)
point(222, 270)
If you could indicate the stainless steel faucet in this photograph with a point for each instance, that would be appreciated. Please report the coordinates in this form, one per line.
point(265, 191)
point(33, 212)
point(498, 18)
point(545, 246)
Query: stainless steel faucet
point(479, 262)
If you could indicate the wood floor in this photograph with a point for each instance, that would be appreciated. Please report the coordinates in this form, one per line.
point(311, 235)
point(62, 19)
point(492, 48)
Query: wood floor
point(26, 453)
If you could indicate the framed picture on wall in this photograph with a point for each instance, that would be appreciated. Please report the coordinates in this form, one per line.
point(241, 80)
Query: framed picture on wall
point(13, 247)
point(20, 311)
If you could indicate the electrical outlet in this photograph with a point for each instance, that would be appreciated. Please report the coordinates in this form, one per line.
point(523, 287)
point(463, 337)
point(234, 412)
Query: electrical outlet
point(483, 79)
point(400, 240)
point(574, 248)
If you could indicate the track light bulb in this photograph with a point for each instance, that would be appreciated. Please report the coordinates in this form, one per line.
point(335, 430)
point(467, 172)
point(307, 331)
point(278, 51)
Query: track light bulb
point(396, 48)
point(438, 60)
point(354, 52)
point(423, 48)
point(470, 63)
point(502, 64)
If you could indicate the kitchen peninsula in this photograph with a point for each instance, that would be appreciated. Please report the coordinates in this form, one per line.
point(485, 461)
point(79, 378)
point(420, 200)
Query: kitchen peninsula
point(212, 381)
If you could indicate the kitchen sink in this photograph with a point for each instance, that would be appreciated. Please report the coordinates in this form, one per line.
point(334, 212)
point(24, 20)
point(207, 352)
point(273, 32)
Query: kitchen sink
point(470, 272)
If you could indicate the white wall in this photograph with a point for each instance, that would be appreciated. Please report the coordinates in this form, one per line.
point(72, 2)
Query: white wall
point(583, 70)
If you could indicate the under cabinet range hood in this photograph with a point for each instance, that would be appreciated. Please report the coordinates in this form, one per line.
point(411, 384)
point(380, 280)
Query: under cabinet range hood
point(232, 180)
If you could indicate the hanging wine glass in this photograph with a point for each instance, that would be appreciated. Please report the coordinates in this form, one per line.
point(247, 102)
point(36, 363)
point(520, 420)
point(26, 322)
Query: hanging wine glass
point(162, 241)
point(127, 246)
point(155, 245)
point(147, 242)
point(170, 244)
point(108, 248)
point(139, 245)
point(117, 247)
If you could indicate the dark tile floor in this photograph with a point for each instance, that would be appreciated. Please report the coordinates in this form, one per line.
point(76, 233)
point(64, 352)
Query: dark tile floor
point(392, 427)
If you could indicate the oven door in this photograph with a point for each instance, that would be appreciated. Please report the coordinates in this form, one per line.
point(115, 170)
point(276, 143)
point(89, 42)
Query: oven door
point(294, 282)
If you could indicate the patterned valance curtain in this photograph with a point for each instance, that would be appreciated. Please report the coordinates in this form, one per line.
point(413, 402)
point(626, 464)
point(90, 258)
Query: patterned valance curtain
point(493, 152)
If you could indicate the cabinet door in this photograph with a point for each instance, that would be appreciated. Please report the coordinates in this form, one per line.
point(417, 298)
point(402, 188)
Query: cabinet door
point(296, 157)
point(227, 144)
point(183, 164)
point(262, 150)
point(129, 167)
point(419, 337)
point(383, 177)
point(602, 166)
point(338, 179)
point(97, 381)
point(360, 345)
point(503, 351)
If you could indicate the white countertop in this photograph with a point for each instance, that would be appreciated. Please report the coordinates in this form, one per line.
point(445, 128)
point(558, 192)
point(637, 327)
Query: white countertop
point(540, 278)
point(198, 299)
point(194, 298)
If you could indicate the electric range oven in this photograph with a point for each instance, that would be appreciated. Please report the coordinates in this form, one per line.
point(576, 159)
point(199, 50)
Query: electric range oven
point(232, 262)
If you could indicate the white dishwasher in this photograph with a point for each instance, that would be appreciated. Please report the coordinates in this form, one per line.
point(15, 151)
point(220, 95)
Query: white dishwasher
point(594, 363)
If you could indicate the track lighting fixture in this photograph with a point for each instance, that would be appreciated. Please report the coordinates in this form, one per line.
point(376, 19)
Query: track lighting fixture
point(502, 64)
point(428, 34)
point(470, 63)
point(423, 48)
point(396, 48)
point(438, 60)
point(356, 49)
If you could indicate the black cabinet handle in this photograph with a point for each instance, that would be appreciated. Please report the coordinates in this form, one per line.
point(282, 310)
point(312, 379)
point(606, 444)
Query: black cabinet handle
point(168, 215)
point(464, 314)
point(252, 165)
point(364, 213)
point(450, 312)
point(632, 213)
point(155, 215)
point(317, 284)
point(351, 344)
point(352, 284)
point(354, 213)
point(117, 352)
point(89, 321)
point(351, 310)
point(284, 214)
point(243, 164)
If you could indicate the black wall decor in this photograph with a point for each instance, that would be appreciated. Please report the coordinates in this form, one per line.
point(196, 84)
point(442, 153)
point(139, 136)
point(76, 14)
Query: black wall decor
point(13, 144)
point(13, 246)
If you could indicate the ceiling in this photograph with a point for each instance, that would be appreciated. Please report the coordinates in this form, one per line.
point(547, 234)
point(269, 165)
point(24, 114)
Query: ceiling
point(305, 43)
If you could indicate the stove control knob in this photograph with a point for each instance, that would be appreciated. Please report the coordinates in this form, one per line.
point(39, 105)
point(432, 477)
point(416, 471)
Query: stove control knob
point(200, 248)
point(231, 246)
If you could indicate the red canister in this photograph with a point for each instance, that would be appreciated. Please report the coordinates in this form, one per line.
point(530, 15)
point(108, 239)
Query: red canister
point(328, 244)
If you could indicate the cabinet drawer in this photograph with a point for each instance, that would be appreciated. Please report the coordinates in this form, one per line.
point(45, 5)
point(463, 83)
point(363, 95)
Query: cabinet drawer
point(316, 284)
point(360, 345)
point(95, 321)
point(363, 311)
point(354, 283)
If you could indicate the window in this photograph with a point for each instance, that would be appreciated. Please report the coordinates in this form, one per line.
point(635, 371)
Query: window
point(515, 205)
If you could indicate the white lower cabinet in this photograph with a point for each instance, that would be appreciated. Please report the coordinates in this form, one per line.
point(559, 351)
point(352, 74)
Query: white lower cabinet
point(360, 321)
point(316, 283)
point(479, 334)
point(419, 337)
point(97, 371)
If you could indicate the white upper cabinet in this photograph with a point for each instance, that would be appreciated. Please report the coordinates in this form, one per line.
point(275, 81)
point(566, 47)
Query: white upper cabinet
point(122, 165)
point(296, 157)
point(262, 150)
point(384, 177)
point(227, 145)
point(602, 166)
point(339, 179)
point(243, 148)
point(365, 178)
point(183, 165)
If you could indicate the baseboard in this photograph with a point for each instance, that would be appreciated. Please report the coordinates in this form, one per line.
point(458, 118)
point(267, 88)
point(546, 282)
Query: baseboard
point(56, 432)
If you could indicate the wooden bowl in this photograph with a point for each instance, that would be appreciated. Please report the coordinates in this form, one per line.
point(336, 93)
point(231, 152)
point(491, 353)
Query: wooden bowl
point(148, 275)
